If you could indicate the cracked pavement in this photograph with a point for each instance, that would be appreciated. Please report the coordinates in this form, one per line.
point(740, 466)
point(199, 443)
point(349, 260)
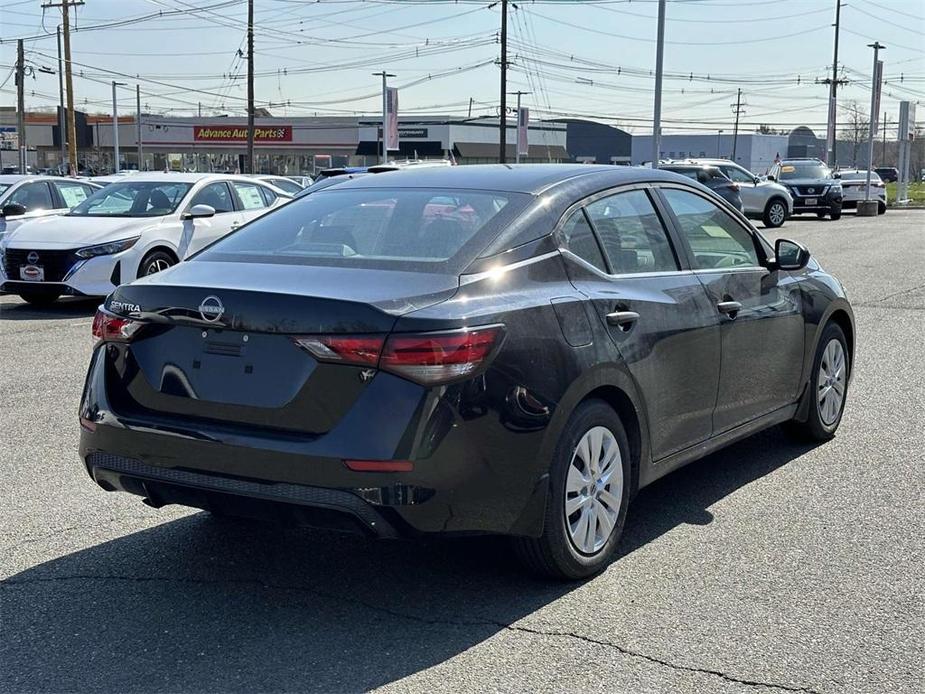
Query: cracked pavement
point(769, 567)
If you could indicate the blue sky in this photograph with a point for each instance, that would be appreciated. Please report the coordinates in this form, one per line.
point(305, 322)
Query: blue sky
point(591, 58)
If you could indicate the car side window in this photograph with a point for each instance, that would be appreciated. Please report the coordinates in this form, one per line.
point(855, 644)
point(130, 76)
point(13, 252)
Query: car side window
point(73, 193)
point(737, 175)
point(249, 195)
point(215, 195)
point(268, 195)
point(33, 196)
point(632, 234)
point(579, 239)
point(715, 238)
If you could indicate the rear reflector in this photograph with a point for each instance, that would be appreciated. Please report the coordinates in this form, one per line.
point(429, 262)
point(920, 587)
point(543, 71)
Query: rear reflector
point(380, 465)
point(108, 327)
point(427, 358)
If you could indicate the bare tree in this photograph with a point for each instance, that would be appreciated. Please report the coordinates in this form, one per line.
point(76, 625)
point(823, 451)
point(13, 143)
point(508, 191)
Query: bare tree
point(856, 127)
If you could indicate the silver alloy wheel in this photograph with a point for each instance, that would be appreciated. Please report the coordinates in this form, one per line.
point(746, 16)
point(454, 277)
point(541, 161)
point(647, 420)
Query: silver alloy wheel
point(157, 265)
point(831, 382)
point(777, 214)
point(594, 490)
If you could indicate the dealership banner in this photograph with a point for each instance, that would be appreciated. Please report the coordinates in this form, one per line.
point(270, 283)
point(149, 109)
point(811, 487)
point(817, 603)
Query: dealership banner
point(391, 118)
point(238, 133)
point(878, 82)
point(523, 122)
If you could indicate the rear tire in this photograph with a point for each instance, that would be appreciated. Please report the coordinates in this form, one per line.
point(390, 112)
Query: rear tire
point(155, 262)
point(831, 371)
point(39, 299)
point(775, 213)
point(881, 208)
point(581, 544)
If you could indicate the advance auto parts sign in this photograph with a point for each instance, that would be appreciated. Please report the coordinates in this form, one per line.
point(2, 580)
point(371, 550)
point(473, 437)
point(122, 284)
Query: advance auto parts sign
point(236, 133)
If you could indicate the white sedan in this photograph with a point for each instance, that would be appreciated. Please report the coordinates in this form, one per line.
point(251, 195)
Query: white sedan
point(25, 197)
point(854, 188)
point(127, 230)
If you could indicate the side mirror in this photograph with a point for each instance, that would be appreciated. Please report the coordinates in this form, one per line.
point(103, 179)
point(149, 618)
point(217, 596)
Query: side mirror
point(14, 209)
point(790, 255)
point(771, 177)
point(198, 212)
point(836, 175)
point(757, 180)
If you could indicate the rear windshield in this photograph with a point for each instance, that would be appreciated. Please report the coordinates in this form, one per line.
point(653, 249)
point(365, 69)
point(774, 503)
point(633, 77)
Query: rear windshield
point(804, 170)
point(859, 176)
point(429, 230)
point(133, 199)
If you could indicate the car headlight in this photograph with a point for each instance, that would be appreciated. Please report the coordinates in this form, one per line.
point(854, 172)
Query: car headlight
point(836, 188)
point(107, 248)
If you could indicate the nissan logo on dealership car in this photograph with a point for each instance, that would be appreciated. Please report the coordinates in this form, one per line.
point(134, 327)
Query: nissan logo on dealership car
point(211, 309)
point(33, 257)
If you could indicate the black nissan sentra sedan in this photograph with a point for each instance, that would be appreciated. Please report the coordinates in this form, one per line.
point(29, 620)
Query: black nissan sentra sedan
point(481, 349)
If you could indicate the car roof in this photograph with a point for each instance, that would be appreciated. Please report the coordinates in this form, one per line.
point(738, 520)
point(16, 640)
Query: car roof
point(16, 178)
point(513, 178)
point(177, 177)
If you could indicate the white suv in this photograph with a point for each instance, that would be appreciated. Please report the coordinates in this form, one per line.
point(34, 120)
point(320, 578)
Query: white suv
point(765, 200)
point(128, 229)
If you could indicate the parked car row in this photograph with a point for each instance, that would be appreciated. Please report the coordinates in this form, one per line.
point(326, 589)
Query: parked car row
point(139, 224)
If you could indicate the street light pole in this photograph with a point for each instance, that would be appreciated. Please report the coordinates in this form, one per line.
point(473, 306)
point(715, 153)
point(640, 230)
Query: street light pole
point(874, 107)
point(115, 128)
point(138, 124)
point(659, 62)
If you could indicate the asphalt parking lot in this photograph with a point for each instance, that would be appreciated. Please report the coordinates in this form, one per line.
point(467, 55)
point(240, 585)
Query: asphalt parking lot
point(771, 566)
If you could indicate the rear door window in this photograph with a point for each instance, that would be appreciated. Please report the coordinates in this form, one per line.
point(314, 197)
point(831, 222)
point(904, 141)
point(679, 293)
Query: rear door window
point(716, 240)
point(73, 193)
point(249, 196)
point(632, 234)
point(578, 237)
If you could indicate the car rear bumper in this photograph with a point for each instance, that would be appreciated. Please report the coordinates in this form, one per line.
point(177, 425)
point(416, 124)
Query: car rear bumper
point(474, 469)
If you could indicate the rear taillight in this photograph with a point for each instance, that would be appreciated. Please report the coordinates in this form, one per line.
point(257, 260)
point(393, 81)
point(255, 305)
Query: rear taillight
point(357, 350)
point(428, 358)
point(439, 357)
point(108, 327)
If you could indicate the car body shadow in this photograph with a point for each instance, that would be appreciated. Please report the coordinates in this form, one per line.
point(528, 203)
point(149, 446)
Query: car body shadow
point(203, 604)
point(12, 308)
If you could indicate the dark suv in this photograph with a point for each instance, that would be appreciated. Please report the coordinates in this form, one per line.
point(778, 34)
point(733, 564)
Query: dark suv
point(812, 185)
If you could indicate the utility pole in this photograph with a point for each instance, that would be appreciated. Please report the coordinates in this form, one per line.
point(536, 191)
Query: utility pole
point(502, 138)
point(659, 62)
point(831, 139)
point(719, 134)
point(62, 128)
point(735, 132)
point(874, 105)
point(21, 104)
point(115, 128)
point(519, 94)
point(250, 86)
point(65, 5)
point(138, 125)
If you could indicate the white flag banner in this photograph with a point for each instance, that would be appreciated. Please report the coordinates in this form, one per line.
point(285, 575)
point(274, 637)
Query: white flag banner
point(523, 123)
point(390, 131)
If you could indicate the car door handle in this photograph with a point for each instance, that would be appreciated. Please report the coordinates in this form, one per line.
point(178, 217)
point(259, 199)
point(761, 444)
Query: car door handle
point(730, 308)
point(622, 319)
